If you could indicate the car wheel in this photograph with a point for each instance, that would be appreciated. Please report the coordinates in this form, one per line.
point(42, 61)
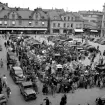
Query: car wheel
point(25, 98)
point(4, 103)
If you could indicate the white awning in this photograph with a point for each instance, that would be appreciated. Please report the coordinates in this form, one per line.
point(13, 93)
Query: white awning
point(93, 30)
point(23, 29)
point(78, 30)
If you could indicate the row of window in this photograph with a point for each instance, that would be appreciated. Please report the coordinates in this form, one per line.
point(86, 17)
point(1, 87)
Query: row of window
point(64, 25)
point(20, 23)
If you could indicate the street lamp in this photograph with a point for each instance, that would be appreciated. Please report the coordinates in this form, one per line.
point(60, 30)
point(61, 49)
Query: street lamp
point(102, 26)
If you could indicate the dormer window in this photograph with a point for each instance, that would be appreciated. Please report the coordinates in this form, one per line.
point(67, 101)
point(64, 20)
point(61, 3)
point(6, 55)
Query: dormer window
point(30, 17)
point(5, 17)
point(55, 17)
point(19, 17)
point(42, 17)
point(13, 16)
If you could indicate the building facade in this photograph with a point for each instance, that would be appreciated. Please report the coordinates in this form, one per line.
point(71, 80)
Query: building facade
point(64, 23)
point(92, 20)
point(17, 20)
point(38, 21)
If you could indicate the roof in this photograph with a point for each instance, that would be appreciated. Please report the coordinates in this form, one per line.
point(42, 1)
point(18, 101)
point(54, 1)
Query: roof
point(17, 68)
point(3, 13)
point(53, 15)
point(26, 83)
point(24, 13)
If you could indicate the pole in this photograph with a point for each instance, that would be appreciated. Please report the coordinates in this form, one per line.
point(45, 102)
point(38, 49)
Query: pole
point(102, 26)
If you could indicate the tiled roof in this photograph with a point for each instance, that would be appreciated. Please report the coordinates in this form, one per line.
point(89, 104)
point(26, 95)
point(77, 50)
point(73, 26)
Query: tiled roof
point(25, 13)
point(3, 13)
point(53, 15)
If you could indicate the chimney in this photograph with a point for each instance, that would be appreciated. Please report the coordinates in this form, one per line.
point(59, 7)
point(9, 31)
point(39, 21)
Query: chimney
point(6, 4)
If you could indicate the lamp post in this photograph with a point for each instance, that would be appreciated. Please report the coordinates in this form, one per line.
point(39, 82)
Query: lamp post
point(103, 18)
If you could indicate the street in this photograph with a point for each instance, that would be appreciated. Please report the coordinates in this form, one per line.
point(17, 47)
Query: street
point(81, 96)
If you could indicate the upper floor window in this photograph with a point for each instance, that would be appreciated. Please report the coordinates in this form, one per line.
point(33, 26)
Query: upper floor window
point(30, 23)
point(64, 18)
point(0, 22)
point(5, 22)
point(36, 22)
point(54, 25)
point(43, 23)
point(58, 24)
point(72, 18)
point(13, 22)
point(20, 22)
point(64, 25)
point(72, 25)
point(68, 18)
point(67, 24)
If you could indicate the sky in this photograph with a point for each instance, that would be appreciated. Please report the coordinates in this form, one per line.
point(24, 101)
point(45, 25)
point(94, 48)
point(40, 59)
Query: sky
point(68, 5)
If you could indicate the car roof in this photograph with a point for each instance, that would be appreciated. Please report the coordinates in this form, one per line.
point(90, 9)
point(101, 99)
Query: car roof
point(26, 83)
point(1, 95)
point(17, 68)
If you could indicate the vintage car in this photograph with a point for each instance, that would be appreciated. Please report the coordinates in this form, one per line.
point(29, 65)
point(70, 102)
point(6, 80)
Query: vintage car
point(102, 99)
point(17, 74)
point(26, 89)
point(3, 99)
point(0, 48)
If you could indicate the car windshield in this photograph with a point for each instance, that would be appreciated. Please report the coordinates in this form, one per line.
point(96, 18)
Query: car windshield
point(28, 86)
point(18, 72)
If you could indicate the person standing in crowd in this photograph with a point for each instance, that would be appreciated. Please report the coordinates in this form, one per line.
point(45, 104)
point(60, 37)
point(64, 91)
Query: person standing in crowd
point(0, 86)
point(63, 100)
point(47, 102)
point(1, 63)
point(4, 81)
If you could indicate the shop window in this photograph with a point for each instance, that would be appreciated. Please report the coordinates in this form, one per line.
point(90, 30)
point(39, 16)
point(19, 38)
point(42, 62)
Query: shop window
point(58, 24)
point(54, 24)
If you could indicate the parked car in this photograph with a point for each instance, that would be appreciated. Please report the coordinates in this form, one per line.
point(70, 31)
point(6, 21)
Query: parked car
point(3, 99)
point(17, 74)
point(96, 40)
point(102, 42)
point(26, 89)
point(102, 100)
point(0, 48)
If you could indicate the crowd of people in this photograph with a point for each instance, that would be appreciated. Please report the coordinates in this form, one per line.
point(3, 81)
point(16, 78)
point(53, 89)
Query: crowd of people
point(59, 68)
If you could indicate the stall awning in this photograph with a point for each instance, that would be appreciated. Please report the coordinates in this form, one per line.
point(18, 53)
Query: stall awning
point(78, 30)
point(93, 30)
point(23, 28)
